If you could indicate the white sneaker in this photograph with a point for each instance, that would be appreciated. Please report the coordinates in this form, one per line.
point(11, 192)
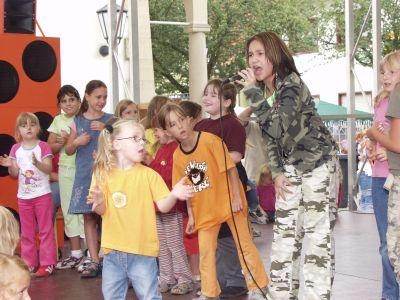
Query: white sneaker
point(258, 216)
point(69, 262)
point(84, 264)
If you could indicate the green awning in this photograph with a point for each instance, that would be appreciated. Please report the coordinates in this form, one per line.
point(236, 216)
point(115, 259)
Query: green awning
point(330, 111)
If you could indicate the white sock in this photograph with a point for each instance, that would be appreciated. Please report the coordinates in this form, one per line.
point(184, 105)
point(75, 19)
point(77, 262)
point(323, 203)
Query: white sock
point(77, 253)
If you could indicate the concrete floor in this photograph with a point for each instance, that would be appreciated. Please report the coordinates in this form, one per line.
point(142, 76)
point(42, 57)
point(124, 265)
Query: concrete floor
point(358, 270)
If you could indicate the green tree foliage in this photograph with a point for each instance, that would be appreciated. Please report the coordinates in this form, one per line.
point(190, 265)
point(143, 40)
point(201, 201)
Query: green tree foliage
point(390, 27)
point(306, 25)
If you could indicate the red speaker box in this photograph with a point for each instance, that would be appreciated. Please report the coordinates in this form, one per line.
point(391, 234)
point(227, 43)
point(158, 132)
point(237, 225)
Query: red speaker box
point(29, 81)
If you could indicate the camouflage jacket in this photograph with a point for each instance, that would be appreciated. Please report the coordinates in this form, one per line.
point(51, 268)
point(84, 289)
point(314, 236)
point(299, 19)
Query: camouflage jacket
point(294, 132)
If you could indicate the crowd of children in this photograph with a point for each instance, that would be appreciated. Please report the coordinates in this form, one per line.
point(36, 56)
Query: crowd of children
point(103, 162)
point(170, 197)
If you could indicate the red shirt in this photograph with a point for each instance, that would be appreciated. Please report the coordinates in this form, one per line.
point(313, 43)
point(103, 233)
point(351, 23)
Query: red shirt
point(162, 164)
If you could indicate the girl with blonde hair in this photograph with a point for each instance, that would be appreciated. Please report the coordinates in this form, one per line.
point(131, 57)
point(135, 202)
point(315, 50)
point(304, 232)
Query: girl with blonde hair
point(124, 191)
point(14, 278)
point(384, 208)
point(9, 231)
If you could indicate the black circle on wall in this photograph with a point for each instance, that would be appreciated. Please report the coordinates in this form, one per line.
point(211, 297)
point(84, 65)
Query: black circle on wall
point(39, 61)
point(45, 120)
point(9, 81)
point(6, 142)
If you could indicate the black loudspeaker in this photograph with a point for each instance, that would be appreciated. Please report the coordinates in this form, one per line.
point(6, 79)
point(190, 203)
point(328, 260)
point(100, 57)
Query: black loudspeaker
point(6, 142)
point(9, 83)
point(19, 16)
point(39, 61)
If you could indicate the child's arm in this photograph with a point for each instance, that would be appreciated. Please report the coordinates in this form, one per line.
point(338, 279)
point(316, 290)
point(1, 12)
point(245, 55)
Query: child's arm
point(75, 141)
point(235, 181)
point(190, 224)
point(180, 191)
point(57, 141)
point(96, 197)
point(236, 156)
point(46, 165)
point(13, 168)
point(389, 141)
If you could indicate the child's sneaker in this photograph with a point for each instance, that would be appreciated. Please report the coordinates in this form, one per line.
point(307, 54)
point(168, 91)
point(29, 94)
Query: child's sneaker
point(68, 263)
point(44, 271)
point(258, 216)
point(32, 270)
point(84, 264)
point(255, 232)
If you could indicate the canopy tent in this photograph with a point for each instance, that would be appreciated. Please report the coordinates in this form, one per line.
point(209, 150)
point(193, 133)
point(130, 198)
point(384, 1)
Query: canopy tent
point(330, 111)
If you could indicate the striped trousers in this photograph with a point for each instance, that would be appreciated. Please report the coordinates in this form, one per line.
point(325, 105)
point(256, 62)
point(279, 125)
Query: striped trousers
point(174, 266)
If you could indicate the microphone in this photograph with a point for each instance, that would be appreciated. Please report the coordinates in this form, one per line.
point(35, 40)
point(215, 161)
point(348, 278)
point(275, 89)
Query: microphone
point(232, 79)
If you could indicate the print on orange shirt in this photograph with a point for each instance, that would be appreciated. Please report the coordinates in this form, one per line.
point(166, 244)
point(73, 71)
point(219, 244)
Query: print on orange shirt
point(196, 172)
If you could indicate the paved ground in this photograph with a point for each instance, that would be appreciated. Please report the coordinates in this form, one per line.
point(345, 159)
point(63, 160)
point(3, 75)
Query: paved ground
point(358, 270)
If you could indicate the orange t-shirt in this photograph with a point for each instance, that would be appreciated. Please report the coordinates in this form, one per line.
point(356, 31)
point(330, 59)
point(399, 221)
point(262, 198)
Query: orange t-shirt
point(204, 167)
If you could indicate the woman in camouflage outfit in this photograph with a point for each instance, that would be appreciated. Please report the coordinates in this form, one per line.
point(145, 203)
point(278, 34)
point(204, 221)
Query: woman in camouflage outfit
point(302, 157)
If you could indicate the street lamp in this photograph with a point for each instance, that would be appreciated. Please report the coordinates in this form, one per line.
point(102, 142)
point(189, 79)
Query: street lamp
point(102, 15)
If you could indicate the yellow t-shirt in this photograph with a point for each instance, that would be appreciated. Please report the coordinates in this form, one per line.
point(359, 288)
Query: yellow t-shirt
point(129, 222)
point(205, 169)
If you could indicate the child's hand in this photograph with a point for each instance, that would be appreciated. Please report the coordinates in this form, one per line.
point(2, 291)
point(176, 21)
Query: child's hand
point(96, 125)
point(190, 226)
point(237, 204)
point(371, 149)
point(182, 191)
point(5, 161)
point(95, 197)
point(34, 160)
point(82, 140)
point(381, 154)
point(62, 138)
point(382, 127)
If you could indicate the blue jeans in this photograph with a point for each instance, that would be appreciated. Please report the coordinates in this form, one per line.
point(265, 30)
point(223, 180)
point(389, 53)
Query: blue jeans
point(120, 267)
point(251, 196)
point(365, 189)
point(390, 288)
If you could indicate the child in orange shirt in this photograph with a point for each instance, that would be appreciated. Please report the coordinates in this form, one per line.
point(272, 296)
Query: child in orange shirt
point(218, 197)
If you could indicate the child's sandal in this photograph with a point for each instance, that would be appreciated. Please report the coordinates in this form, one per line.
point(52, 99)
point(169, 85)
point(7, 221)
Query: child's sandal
point(91, 271)
point(182, 288)
point(164, 287)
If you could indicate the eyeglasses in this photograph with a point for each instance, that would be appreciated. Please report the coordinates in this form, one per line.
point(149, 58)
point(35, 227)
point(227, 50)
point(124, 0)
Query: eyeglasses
point(136, 139)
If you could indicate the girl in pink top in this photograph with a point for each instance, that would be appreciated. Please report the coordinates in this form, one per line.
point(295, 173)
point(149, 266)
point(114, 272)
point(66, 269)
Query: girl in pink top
point(30, 161)
point(389, 78)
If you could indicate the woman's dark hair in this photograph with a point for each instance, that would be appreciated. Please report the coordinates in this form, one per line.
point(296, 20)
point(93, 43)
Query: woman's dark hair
point(67, 90)
point(276, 51)
point(226, 91)
point(90, 87)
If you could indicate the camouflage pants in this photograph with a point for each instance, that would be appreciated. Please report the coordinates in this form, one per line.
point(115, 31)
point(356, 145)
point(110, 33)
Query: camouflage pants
point(393, 230)
point(306, 218)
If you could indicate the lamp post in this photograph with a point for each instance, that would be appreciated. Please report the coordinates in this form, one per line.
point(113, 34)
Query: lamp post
point(112, 29)
point(102, 14)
